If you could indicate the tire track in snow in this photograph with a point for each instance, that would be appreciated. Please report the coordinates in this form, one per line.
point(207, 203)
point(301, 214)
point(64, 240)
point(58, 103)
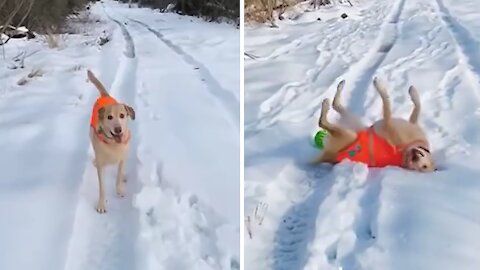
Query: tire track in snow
point(108, 241)
point(397, 74)
point(345, 223)
point(360, 76)
point(224, 97)
point(467, 47)
point(129, 45)
point(335, 221)
point(170, 217)
point(129, 51)
point(272, 108)
point(335, 47)
point(330, 250)
point(365, 225)
point(297, 226)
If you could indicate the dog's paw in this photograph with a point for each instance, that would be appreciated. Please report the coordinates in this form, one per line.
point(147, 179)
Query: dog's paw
point(412, 91)
point(379, 86)
point(120, 190)
point(101, 207)
point(326, 104)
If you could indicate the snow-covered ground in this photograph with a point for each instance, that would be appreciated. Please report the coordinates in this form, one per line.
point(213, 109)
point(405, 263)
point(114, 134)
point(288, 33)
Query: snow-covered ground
point(351, 217)
point(181, 75)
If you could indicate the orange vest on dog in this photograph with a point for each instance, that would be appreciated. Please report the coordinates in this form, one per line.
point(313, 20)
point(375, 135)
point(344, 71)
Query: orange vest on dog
point(100, 103)
point(383, 153)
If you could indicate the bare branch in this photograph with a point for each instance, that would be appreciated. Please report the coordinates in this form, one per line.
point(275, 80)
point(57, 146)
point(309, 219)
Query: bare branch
point(26, 13)
point(12, 15)
point(2, 3)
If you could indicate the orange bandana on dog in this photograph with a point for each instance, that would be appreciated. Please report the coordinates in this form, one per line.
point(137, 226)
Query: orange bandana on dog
point(382, 152)
point(100, 103)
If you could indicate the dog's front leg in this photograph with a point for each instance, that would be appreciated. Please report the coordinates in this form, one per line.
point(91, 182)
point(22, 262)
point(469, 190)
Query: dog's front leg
point(387, 109)
point(416, 105)
point(101, 205)
point(120, 185)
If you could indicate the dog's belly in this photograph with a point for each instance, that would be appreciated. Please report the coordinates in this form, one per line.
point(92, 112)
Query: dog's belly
point(406, 131)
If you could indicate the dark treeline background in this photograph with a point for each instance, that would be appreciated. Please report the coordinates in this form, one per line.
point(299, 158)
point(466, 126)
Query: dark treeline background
point(50, 15)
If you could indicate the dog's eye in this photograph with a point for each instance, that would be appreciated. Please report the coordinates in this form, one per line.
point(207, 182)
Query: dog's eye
point(110, 117)
point(122, 115)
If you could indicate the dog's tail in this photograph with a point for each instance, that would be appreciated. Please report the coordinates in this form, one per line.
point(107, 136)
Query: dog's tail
point(97, 83)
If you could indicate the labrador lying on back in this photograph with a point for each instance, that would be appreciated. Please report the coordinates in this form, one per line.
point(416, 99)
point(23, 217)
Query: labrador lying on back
point(388, 142)
point(110, 137)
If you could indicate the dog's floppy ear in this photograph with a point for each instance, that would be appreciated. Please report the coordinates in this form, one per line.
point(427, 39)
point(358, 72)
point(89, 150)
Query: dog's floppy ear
point(130, 111)
point(101, 113)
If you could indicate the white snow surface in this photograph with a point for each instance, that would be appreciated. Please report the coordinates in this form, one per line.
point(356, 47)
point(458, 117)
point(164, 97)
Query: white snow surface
point(348, 216)
point(181, 74)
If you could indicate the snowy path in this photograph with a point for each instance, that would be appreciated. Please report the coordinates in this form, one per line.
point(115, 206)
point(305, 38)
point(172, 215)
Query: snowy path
point(109, 241)
point(225, 98)
point(180, 212)
point(350, 217)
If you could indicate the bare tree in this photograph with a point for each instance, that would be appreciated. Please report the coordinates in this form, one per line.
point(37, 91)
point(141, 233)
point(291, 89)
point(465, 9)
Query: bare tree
point(6, 22)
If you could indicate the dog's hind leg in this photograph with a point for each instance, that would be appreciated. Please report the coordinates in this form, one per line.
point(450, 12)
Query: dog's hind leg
point(349, 119)
point(338, 137)
point(334, 130)
point(412, 91)
point(323, 157)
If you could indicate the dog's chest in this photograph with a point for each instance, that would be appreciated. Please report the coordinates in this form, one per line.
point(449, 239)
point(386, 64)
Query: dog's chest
point(109, 153)
point(113, 153)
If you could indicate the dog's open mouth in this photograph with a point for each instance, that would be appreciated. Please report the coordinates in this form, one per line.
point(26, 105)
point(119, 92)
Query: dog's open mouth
point(117, 137)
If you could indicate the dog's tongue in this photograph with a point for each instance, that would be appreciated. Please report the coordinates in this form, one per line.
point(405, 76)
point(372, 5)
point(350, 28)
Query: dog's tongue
point(118, 139)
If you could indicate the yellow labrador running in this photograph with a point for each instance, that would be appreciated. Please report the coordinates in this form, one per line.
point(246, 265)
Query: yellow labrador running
point(110, 138)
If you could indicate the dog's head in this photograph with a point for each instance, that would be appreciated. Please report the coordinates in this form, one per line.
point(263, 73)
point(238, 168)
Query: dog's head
point(113, 120)
point(419, 158)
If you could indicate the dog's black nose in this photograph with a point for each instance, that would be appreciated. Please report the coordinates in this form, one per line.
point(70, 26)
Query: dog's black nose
point(118, 130)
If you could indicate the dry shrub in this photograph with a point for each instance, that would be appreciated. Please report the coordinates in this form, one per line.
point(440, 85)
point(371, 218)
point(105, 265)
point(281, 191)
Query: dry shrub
point(263, 11)
point(82, 23)
point(211, 10)
point(39, 15)
point(53, 40)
